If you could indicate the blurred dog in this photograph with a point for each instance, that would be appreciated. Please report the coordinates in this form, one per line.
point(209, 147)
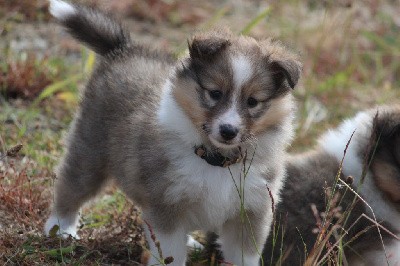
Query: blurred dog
point(372, 161)
point(167, 132)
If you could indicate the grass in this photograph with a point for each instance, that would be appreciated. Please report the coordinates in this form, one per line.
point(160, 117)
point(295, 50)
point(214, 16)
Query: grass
point(351, 62)
point(244, 217)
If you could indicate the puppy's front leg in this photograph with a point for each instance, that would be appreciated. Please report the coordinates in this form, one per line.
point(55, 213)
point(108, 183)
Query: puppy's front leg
point(172, 244)
point(243, 242)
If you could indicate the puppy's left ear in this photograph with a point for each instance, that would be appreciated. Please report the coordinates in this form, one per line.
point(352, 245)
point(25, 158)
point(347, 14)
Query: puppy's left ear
point(286, 69)
point(283, 64)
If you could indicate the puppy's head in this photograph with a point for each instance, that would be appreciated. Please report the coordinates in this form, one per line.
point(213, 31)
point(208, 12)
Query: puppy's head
point(235, 88)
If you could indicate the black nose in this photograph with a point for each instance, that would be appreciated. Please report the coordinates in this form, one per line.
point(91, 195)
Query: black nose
point(228, 131)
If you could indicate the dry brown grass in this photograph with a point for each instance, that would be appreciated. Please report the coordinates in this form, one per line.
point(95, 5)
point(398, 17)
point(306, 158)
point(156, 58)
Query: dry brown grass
point(25, 78)
point(24, 192)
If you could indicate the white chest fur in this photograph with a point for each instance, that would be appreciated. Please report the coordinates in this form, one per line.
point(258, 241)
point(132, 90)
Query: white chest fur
point(213, 193)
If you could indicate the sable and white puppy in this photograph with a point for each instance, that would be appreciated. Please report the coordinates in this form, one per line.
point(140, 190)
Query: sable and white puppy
point(166, 131)
point(375, 143)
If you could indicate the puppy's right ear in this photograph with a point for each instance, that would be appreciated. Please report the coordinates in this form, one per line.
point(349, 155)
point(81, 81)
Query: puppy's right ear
point(204, 46)
point(385, 154)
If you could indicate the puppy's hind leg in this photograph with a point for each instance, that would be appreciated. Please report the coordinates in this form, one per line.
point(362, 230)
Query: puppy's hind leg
point(80, 176)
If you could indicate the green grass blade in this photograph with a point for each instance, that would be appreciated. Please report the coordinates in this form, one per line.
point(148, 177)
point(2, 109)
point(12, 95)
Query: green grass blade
point(89, 63)
point(255, 21)
point(57, 252)
point(55, 87)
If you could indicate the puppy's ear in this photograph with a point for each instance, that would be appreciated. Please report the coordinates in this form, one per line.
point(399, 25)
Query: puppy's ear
point(385, 154)
point(286, 69)
point(208, 45)
point(283, 64)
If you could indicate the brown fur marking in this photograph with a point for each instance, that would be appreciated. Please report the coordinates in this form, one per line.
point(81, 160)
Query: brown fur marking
point(277, 110)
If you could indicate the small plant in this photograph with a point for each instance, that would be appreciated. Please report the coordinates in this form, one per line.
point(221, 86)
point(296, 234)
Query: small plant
point(244, 217)
point(161, 259)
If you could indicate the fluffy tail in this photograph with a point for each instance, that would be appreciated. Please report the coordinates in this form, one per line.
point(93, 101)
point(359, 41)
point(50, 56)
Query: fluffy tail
point(100, 32)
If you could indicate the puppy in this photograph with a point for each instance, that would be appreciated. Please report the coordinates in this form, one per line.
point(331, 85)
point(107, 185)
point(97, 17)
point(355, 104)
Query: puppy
point(193, 142)
point(373, 160)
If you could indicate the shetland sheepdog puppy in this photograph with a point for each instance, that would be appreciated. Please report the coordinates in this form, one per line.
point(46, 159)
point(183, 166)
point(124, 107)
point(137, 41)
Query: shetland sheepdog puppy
point(194, 142)
point(371, 168)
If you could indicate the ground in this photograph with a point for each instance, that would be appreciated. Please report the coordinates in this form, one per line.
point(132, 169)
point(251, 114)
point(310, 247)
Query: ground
point(350, 50)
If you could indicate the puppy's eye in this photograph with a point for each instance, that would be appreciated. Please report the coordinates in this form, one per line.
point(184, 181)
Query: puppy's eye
point(216, 95)
point(251, 102)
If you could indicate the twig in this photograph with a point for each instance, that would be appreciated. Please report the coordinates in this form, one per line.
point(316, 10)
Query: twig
point(272, 200)
point(12, 152)
point(162, 260)
point(324, 234)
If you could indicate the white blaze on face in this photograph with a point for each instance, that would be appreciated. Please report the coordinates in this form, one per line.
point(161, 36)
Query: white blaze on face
point(242, 71)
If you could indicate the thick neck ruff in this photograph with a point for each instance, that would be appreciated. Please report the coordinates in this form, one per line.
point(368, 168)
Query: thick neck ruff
point(215, 158)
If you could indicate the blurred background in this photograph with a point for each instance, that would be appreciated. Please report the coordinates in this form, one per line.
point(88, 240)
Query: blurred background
point(351, 55)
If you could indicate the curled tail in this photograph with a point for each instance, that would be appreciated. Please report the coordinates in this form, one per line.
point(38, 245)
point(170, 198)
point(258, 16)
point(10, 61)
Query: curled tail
point(100, 32)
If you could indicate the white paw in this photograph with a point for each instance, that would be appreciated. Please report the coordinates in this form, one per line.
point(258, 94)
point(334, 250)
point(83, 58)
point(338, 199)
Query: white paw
point(62, 226)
